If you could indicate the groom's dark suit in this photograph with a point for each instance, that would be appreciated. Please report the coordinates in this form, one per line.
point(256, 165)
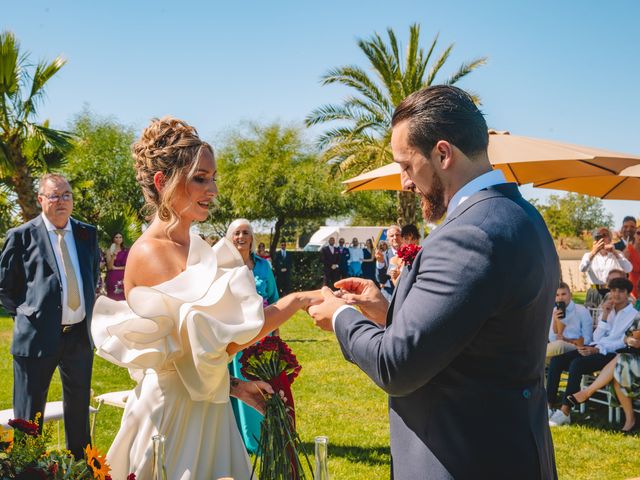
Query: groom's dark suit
point(462, 356)
point(31, 292)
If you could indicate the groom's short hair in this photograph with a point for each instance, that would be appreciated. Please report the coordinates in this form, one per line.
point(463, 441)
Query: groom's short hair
point(443, 112)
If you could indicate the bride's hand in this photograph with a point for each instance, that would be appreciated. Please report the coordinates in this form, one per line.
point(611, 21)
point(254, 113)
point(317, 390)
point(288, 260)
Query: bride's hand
point(253, 393)
point(310, 298)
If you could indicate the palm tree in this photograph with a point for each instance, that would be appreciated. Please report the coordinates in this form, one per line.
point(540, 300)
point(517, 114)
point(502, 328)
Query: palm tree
point(361, 140)
point(27, 149)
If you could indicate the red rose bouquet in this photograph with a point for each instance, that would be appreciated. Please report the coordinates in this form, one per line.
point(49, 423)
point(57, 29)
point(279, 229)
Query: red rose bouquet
point(408, 252)
point(279, 447)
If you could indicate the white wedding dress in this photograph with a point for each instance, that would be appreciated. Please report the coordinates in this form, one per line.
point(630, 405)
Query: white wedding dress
point(173, 337)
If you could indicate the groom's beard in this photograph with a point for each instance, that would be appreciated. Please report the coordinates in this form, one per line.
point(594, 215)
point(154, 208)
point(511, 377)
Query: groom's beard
point(433, 203)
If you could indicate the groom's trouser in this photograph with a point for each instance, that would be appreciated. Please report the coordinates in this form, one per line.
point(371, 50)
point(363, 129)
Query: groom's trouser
point(32, 377)
point(576, 365)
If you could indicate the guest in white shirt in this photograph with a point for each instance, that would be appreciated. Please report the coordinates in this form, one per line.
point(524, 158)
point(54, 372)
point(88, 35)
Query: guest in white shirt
point(607, 338)
point(571, 324)
point(597, 264)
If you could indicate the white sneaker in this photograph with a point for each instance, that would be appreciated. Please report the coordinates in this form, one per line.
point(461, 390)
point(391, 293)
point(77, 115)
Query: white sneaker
point(558, 418)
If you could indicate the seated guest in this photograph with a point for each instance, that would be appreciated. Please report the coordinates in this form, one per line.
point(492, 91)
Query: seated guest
point(571, 324)
point(607, 338)
point(624, 371)
point(597, 263)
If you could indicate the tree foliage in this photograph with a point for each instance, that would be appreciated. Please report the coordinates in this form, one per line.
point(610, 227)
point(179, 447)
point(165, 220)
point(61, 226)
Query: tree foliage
point(269, 173)
point(573, 214)
point(27, 148)
point(100, 170)
point(360, 136)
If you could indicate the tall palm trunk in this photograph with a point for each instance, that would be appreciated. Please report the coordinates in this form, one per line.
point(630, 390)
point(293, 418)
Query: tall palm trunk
point(23, 185)
point(406, 208)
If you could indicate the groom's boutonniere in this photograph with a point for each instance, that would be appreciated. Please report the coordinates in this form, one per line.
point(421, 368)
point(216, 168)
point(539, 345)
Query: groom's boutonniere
point(408, 252)
point(83, 234)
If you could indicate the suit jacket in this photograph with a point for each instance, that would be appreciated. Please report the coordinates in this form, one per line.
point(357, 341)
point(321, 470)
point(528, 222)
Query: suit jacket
point(280, 263)
point(462, 356)
point(329, 258)
point(31, 289)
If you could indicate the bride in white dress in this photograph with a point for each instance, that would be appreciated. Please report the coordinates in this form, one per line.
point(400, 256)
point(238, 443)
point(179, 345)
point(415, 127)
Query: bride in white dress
point(189, 309)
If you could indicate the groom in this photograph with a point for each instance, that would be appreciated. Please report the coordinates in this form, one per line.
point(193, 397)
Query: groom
point(460, 349)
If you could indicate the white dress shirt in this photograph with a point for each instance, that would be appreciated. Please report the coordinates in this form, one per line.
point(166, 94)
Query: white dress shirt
point(599, 266)
point(609, 335)
point(69, 316)
point(486, 180)
point(577, 322)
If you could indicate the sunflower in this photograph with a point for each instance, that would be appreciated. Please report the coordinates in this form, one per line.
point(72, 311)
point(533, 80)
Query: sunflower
point(97, 463)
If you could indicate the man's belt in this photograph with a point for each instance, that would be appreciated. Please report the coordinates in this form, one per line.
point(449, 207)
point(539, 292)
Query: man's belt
point(72, 327)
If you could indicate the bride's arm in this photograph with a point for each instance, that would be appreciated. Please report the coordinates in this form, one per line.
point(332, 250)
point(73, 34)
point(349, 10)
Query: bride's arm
point(278, 313)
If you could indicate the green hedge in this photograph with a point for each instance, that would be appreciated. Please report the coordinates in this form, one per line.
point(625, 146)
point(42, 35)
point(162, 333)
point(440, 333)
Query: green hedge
point(306, 271)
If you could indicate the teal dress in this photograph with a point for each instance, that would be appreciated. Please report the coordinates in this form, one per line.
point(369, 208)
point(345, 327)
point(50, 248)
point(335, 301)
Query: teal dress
point(248, 419)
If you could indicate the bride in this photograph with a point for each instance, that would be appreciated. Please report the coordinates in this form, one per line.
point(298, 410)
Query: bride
point(189, 308)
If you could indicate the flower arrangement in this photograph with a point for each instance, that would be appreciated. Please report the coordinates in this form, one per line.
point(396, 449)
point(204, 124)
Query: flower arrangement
point(279, 447)
point(408, 252)
point(24, 456)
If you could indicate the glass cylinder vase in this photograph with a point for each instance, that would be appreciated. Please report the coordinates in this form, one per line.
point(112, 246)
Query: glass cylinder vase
point(322, 466)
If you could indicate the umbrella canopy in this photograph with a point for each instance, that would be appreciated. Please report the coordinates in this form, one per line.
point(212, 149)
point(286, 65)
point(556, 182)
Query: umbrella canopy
point(532, 160)
point(522, 160)
point(624, 186)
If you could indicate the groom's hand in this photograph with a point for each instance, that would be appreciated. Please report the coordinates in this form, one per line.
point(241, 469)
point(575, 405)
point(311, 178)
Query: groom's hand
point(322, 314)
point(365, 295)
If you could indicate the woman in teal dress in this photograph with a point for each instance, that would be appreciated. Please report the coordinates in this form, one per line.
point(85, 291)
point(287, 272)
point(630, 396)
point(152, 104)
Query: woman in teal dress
point(240, 234)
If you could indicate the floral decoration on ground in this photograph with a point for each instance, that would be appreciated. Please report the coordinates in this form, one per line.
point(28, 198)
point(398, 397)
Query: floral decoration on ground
point(24, 456)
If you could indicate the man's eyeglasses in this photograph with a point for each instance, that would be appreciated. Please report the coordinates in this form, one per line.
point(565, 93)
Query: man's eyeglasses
point(56, 198)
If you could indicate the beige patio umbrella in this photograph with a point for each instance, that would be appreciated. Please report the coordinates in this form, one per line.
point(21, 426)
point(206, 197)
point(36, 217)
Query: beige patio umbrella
point(522, 160)
point(624, 186)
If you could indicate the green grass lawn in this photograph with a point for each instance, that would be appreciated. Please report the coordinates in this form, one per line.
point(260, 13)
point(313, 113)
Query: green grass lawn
point(336, 399)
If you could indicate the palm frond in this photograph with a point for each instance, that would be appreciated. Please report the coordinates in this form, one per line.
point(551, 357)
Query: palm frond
point(329, 113)
point(9, 65)
point(44, 72)
point(355, 77)
point(438, 65)
point(465, 69)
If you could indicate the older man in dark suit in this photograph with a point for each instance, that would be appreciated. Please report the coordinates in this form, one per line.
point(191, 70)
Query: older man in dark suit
point(461, 349)
point(48, 274)
point(330, 258)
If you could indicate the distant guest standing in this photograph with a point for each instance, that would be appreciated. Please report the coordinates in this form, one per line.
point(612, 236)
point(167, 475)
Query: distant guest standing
point(368, 262)
point(48, 275)
point(263, 252)
point(356, 255)
point(345, 256)
point(116, 261)
point(240, 233)
point(282, 266)
point(330, 258)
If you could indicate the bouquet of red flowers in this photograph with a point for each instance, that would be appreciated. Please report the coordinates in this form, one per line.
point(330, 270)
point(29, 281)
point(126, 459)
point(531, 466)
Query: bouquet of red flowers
point(408, 252)
point(271, 360)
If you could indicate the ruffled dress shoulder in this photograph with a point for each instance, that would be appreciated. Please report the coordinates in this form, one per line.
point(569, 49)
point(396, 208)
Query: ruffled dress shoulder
point(173, 338)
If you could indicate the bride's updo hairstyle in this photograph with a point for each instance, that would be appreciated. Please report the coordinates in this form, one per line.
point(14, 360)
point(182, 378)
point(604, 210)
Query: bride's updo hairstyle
point(170, 146)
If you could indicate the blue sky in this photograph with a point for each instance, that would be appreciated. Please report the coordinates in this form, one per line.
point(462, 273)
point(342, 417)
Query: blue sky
point(566, 71)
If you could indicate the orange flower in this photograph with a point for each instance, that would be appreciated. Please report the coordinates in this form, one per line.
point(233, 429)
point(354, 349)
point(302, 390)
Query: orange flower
point(97, 463)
